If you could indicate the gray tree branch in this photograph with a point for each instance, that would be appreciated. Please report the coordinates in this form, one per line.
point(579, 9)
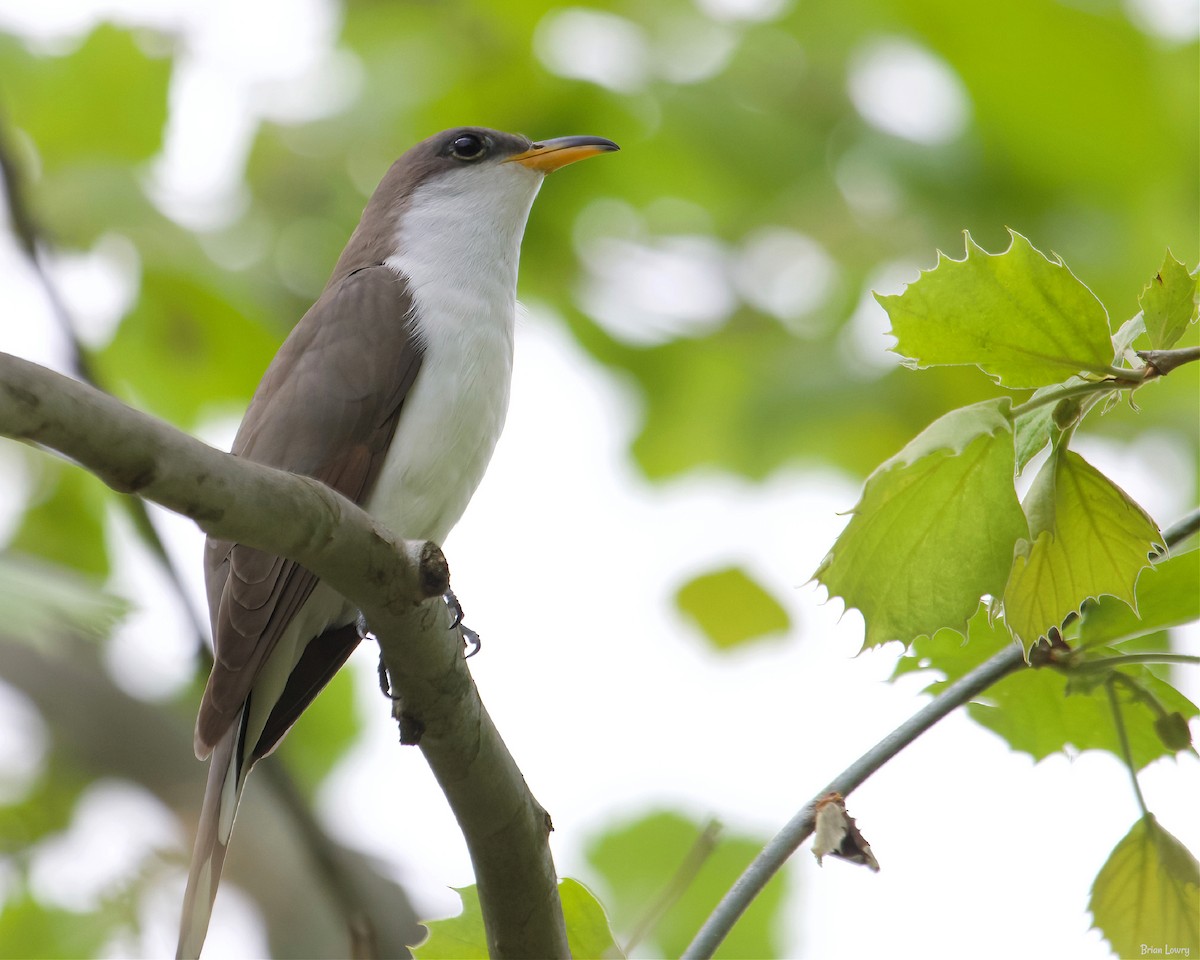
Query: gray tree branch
point(391, 581)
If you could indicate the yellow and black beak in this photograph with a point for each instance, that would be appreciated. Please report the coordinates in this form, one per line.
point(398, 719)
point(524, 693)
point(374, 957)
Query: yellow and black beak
point(549, 155)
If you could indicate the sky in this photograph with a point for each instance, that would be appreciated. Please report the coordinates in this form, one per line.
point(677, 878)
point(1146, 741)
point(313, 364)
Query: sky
point(609, 700)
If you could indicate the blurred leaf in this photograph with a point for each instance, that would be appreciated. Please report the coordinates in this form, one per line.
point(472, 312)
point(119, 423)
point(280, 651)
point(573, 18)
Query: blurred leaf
point(1147, 894)
point(640, 863)
point(46, 808)
point(65, 522)
point(1169, 303)
point(731, 608)
point(934, 530)
point(1022, 318)
point(40, 598)
point(323, 733)
point(1090, 539)
point(105, 101)
point(1166, 596)
point(185, 349)
point(465, 938)
point(31, 929)
point(588, 931)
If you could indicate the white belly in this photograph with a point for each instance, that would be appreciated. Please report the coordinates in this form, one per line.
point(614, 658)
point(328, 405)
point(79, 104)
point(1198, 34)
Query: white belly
point(450, 421)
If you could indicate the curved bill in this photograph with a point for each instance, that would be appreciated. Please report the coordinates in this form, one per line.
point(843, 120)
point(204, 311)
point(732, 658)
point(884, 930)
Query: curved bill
point(548, 155)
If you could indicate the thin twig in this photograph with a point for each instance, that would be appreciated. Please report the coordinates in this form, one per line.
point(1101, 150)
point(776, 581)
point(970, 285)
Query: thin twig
point(1129, 659)
point(1182, 529)
point(32, 240)
point(700, 850)
point(797, 830)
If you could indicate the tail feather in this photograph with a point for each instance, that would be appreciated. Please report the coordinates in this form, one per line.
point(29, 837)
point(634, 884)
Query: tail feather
point(221, 796)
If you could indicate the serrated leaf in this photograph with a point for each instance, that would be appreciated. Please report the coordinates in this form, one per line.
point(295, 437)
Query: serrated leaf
point(731, 608)
point(1169, 303)
point(934, 530)
point(1021, 317)
point(1167, 596)
point(1146, 897)
point(1090, 539)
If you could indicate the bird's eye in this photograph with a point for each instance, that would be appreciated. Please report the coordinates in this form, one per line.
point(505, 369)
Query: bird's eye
point(468, 146)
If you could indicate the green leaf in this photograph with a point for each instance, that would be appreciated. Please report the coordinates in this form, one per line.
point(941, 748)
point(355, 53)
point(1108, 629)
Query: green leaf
point(1023, 318)
point(1090, 539)
point(1040, 711)
point(1146, 897)
point(1037, 427)
point(105, 101)
point(1166, 597)
point(65, 525)
point(665, 858)
point(456, 938)
point(934, 530)
point(464, 937)
point(30, 929)
point(588, 931)
point(185, 348)
point(323, 733)
point(1169, 303)
point(731, 608)
point(40, 599)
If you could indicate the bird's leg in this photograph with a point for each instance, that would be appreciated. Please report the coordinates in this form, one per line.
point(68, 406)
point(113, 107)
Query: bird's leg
point(470, 636)
point(364, 633)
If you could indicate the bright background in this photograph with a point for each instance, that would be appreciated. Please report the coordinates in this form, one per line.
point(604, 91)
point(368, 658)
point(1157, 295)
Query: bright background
point(702, 382)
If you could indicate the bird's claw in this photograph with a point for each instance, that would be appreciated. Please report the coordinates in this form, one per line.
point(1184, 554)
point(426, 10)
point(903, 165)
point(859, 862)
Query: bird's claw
point(470, 637)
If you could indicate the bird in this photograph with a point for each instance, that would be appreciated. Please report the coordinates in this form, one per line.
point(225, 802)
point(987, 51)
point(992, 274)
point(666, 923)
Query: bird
point(392, 389)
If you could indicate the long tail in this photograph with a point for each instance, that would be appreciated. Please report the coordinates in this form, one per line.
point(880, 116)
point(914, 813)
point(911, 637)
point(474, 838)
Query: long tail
point(221, 796)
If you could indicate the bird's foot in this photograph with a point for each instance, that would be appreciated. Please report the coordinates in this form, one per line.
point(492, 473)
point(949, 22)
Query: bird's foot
point(385, 682)
point(469, 636)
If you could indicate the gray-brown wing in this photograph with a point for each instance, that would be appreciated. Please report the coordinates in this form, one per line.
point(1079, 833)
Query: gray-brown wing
point(326, 408)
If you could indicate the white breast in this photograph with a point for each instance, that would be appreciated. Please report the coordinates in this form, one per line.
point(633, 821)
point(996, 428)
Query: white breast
point(458, 246)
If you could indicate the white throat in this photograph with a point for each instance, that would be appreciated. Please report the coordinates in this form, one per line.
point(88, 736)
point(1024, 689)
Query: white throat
point(458, 246)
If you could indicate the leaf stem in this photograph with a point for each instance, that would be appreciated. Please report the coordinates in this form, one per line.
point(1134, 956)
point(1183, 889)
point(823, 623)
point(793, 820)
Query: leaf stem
point(1128, 659)
point(1123, 738)
point(797, 830)
point(1075, 390)
point(1158, 364)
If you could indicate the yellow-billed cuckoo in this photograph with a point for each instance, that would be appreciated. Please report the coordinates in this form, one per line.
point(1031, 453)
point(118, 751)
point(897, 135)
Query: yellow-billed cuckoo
point(392, 389)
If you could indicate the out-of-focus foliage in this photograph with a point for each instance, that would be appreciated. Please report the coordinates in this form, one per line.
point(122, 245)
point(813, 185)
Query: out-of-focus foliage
point(731, 608)
point(464, 938)
point(764, 173)
point(665, 874)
